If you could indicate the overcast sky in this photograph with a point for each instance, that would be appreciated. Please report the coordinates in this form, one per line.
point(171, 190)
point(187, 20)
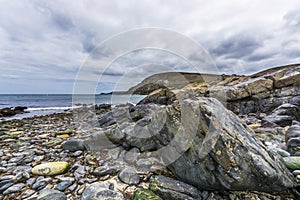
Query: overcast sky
point(44, 43)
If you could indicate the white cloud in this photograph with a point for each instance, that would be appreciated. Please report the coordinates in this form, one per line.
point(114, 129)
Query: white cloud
point(49, 40)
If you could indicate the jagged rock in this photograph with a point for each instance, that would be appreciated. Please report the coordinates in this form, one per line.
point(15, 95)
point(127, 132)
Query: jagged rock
point(289, 110)
point(291, 77)
point(163, 96)
point(171, 80)
point(168, 188)
point(261, 92)
point(283, 115)
point(101, 191)
point(217, 161)
point(292, 139)
point(204, 145)
point(292, 132)
point(281, 120)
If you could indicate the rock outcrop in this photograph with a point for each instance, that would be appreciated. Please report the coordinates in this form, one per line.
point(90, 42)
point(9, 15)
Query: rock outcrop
point(201, 142)
point(260, 92)
point(8, 112)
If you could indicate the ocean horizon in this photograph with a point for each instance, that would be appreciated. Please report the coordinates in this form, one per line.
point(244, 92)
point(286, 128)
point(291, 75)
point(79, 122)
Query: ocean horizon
point(43, 104)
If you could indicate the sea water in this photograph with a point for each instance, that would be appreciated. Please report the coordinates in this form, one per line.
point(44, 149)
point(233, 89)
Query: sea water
point(42, 104)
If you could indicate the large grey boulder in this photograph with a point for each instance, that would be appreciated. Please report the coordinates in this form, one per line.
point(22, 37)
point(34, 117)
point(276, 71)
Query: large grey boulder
point(203, 144)
point(225, 154)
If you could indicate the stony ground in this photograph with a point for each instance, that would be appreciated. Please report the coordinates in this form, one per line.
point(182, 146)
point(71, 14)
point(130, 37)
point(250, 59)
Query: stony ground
point(29, 142)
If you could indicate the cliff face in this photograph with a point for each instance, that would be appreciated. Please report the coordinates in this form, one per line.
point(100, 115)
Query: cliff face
point(184, 129)
point(260, 92)
point(173, 80)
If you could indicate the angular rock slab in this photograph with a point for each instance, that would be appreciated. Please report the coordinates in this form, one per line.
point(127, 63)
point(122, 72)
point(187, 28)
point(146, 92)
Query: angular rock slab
point(224, 153)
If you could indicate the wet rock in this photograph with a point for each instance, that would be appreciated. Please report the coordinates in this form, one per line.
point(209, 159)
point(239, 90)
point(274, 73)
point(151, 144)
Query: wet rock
point(5, 185)
point(66, 132)
point(63, 185)
point(106, 120)
point(282, 152)
point(54, 142)
point(76, 154)
point(7, 178)
point(39, 185)
point(107, 170)
point(99, 140)
point(292, 132)
point(67, 179)
point(14, 189)
point(30, 181)
point(296, 172)
point(132, 155)
point(51, 168)
point(28, 193)
point(291, 77)
point(168, 188)
point(281, 120)
point(22, 176)
point(145, 194)
point(289, 110)
point(101, 191)
point(80, 172)
point(25, 168)
point(293, 145)
point(162, 96)
point(50, 194)
point(129, 176)
point(292, 139)
point(292, 162)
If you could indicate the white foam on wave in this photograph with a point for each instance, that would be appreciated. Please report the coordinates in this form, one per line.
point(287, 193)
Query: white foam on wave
point(52, 108)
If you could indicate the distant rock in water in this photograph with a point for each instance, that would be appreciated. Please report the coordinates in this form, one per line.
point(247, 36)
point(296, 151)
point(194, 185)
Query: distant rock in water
point(8, 112)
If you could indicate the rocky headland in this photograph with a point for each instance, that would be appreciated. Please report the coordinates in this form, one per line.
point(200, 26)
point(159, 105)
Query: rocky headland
point(193, 137)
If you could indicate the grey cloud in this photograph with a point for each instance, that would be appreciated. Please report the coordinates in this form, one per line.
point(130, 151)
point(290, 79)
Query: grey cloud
point(51, 39)
point(236, 46)
point(260, 56)
point(292, 19)
point(62, 21)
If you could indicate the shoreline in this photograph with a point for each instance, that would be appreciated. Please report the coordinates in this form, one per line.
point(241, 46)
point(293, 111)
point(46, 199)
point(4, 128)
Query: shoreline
point(78, 155)
point(35, 140)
